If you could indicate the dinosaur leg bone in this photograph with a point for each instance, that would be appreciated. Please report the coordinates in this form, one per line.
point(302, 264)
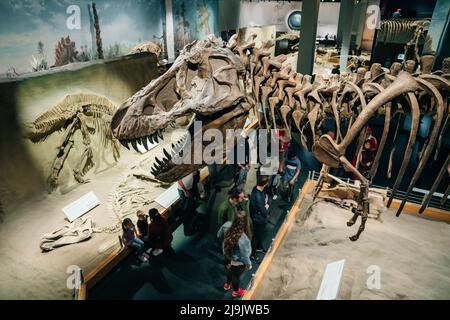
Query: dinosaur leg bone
point(363, 200)
point(87, 159)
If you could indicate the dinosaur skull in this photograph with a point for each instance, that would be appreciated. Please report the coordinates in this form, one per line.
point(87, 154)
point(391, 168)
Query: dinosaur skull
point(204, 81)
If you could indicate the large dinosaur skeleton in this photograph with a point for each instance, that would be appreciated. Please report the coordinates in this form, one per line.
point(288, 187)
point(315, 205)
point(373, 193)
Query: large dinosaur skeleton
point(220, 85)
point(89, 114)
point(392, 28)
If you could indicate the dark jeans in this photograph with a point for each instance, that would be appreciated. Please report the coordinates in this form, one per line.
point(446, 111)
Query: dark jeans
point(234, 275)
point(187, 205)
point(288, 189)
point(259, 231)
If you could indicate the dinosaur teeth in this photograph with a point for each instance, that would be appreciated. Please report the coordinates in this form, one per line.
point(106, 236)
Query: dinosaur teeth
point(160, 135)
point(134, 145)
point(155, 137)
point(150, 138)
point(168, 156)
point(159, 161)
point(144, 142)
point(124, 143)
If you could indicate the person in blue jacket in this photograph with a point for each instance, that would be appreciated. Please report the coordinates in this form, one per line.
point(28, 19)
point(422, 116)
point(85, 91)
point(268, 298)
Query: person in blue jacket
point(236, 251)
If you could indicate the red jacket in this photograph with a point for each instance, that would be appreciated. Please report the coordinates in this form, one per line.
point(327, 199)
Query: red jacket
point(159, 233)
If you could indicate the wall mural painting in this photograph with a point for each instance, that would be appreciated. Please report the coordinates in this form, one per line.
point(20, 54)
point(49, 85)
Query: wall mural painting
point(37, 35)
point(194, 20)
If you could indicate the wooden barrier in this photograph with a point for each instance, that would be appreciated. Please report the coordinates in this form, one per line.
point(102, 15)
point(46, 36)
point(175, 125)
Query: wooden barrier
point(430, 212)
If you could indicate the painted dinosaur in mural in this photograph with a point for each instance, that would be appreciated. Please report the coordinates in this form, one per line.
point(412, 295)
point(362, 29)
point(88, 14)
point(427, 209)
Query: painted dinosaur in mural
point(220, 85)
point(65, 52)
point(89, 114)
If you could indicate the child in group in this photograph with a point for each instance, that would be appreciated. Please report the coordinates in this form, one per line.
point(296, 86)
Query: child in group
point(131, 240)
point(142, 225)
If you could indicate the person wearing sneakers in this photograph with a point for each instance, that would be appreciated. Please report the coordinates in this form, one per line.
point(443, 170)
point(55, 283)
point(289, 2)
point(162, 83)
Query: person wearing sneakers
point(236, 251)
point(159, 233)
point(130, 239)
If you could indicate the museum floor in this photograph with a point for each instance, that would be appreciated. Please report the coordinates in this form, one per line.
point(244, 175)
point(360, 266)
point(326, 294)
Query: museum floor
point(400, 258)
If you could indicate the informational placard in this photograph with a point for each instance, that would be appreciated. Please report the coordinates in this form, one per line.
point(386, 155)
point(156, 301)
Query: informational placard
point(168, 197)
point(81, 206)
point(331, 281)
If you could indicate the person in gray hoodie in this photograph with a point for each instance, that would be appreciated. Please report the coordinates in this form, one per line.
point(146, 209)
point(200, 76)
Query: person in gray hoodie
point(236, 251)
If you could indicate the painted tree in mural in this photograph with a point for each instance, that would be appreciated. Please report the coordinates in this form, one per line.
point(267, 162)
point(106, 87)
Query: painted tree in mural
point(97, 32)
point(182, 34)
point(39, 63)
point(92, 29)
point(203, 19)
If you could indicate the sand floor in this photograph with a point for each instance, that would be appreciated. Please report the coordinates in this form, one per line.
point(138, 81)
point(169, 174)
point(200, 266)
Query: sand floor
point(412, 254)
point(26, 272)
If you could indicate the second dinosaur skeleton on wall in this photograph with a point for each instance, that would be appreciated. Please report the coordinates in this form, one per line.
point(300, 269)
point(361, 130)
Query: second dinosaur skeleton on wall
point(220, 85)
point(89, 114)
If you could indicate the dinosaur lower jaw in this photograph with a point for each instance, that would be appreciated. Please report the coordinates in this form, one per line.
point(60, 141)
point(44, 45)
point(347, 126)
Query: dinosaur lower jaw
point(178, 163)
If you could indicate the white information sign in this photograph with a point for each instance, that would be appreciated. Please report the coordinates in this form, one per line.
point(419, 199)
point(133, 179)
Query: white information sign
point(331, 281)
point(81, 206)
point(168, 197)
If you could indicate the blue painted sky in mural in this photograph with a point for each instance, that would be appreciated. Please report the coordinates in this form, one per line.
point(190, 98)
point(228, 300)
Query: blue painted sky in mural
point(23, 23)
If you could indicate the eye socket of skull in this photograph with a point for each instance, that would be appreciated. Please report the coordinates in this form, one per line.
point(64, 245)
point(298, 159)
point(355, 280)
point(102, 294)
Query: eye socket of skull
point(148, 110)
point(117, 118)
